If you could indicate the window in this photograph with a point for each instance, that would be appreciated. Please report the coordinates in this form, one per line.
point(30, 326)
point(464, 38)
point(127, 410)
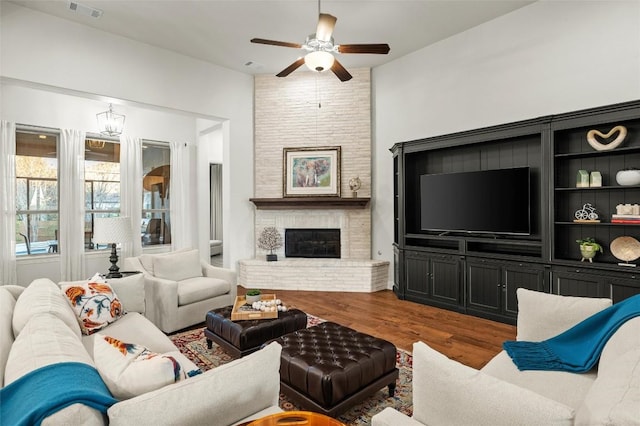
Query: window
point(101, 184)
point(155, 227)
point(36, 193)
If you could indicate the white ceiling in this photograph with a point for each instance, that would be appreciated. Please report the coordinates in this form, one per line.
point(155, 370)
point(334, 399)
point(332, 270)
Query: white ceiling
point(219, 31)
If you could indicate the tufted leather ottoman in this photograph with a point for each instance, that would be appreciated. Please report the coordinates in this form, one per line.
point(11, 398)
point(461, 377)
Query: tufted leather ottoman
point(329, 368)
point(240, 338)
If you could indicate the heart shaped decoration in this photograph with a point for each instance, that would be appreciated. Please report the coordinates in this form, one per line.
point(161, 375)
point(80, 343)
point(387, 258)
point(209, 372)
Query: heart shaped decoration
point(591, 138)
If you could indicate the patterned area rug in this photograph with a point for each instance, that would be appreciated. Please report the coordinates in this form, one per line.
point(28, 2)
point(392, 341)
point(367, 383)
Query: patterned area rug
point(194, 345)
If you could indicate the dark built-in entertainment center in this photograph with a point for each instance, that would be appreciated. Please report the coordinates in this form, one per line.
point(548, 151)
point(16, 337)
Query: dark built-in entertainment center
point(477, 271)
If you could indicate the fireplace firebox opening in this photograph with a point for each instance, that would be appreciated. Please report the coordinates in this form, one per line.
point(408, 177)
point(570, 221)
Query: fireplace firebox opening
point(312, 243)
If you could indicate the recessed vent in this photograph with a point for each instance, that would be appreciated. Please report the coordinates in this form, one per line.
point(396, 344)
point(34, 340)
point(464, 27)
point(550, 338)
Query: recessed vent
point(81, 9)
point(253, 64)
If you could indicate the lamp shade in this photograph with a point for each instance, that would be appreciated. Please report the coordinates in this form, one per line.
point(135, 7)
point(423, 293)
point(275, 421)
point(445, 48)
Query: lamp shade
point(109, 230)
point(319, 60)
point(110, 123)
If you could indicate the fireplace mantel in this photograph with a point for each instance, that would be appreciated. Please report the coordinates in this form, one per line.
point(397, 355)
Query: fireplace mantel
point(290, 203)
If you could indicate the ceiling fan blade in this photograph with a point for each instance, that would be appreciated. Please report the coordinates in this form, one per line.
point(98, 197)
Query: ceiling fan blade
point(382, 48)
point(291, 68)
point(276, 43)
point(340, 71)
point(326, 24)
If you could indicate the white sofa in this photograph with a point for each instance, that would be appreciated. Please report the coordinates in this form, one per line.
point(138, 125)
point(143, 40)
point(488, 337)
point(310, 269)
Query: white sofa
point(38, 327)
point(446, 392)
point(181, 289)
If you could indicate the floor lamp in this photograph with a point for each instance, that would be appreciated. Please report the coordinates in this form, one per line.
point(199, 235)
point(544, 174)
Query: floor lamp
point(112, 230)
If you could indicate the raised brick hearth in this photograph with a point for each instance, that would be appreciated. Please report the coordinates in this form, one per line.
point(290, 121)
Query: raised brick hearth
point(315, 274)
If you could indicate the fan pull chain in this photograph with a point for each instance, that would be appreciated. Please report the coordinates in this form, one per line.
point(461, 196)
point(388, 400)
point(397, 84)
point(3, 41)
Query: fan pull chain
point(318, 92)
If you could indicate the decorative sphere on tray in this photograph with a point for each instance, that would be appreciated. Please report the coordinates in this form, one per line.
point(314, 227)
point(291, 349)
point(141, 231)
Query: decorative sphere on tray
point(269, 306)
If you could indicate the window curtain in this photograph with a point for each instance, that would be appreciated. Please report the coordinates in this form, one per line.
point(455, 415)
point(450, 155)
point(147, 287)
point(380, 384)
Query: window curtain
point(72, 208)
point(131, 191)
point(215, 185)
point(7, 203)
point(182, 208)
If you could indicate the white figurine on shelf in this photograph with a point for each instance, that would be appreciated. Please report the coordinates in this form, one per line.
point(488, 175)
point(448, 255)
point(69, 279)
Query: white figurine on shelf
point(587, 212)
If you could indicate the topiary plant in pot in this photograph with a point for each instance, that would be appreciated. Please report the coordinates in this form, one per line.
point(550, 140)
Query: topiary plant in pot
point(270, 239)
point(589, 248)
point(252, 295)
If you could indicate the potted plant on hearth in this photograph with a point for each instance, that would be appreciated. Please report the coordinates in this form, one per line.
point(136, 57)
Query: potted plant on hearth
point(589, 248)
point(270, 239)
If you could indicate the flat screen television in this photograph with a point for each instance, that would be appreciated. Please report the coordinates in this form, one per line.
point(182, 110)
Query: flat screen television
point(487, 201)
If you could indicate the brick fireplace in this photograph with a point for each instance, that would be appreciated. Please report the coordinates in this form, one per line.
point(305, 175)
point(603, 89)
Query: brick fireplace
point(314, 110)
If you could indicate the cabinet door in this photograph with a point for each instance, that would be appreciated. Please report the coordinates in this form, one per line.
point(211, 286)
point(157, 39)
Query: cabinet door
point(622, 288)
point(416, 275)
point(445, 279)
point(398, 273)
point(522, 275)
point(578, 282)
point(484, 285)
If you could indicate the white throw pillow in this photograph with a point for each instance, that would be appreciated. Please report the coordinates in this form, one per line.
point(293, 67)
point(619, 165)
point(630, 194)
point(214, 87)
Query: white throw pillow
point(178, 266)
point(44, 340)
point(43, 295)
point(95, 304)
point(7, 303)
point(129, 369)
point(146, 260)
point(614, 398)
point(130, 291)
point(446, 392)
point(542, 316)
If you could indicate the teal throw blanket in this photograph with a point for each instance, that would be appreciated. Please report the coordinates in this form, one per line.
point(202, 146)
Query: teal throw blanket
point(577, 349)
point(42, 392)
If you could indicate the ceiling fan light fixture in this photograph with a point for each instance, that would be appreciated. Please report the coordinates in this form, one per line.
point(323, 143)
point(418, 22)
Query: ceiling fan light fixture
point(319, 60)
point(110, 123)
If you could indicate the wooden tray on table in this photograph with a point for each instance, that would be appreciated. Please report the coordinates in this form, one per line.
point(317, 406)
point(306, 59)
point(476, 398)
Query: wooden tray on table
point(240, 312)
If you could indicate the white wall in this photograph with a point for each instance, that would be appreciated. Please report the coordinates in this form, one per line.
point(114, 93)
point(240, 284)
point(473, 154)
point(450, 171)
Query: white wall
point(546, 58)
point(60, 56)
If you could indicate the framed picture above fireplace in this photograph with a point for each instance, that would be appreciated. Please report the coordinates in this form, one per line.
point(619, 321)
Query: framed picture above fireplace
point(311, 172)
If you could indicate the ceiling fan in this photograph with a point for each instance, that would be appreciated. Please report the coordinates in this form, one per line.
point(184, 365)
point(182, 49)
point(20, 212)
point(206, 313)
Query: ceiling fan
point(321, 48)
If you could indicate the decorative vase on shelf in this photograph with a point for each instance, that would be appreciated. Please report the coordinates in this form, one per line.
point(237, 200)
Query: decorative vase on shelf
point(582, 179)
point(628, 177)
point(272, 257)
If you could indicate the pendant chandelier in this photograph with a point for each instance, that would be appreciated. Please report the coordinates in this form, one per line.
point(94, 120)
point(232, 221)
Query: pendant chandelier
point(110, 123)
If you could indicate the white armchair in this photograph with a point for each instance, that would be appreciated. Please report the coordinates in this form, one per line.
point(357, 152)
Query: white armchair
point(180, 289)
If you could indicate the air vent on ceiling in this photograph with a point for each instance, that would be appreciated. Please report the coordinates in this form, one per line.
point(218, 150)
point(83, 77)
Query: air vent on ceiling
point(254, 65)
point(84, 10)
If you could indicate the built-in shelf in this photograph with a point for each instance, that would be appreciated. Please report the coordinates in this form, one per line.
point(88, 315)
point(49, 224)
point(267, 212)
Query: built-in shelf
point(598, 188)
point(290, 203)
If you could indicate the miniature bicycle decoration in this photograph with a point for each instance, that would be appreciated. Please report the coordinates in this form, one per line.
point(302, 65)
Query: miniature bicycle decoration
point(586, 214)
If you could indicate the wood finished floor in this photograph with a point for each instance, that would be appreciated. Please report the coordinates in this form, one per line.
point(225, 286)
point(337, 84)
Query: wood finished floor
point(470, 340)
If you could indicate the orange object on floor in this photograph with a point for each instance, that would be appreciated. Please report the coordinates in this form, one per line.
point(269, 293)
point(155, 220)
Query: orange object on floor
point(296, 418)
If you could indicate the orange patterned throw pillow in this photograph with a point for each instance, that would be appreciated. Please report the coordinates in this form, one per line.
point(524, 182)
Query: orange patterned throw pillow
point(96, 305)
point(129, 369)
